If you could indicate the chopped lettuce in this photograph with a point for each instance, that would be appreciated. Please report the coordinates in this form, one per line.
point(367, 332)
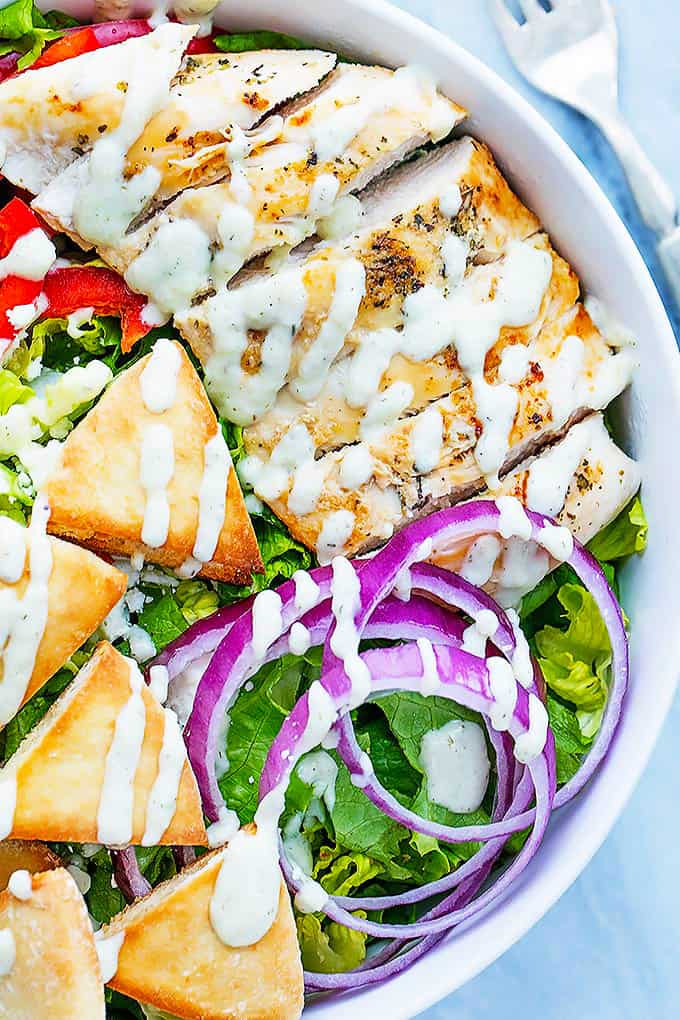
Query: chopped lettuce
point(239, 42)
point(15, 493)
point(571, 743)
point(196, 600)
point(163, 620)
point(104, 899)
point(254, 721)
point(411, 716)
point(281, 555)
point(26, 30)
point(575, 660)
point(328, 947)
point(63, 343)
point(12, 391)
point(626, 535)
point(33, 711)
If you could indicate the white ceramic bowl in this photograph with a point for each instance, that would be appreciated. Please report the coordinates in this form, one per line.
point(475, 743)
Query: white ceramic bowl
point(587, 231)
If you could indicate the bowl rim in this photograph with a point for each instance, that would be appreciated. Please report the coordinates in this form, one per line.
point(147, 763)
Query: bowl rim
point(428, 981)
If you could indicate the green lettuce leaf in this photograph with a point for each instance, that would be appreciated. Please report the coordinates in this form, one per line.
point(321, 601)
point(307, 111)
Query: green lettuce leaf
point(32, 712)
point(26, 30)
point(254, 721)
point(626, 535)
point(196, 600)
point(389, 761)
point(12, 390)
point(239, 42)
point(328, 947)
point(575, 660)
point(570, 742)
point(281, 556)
point(233, 435)
point(454, 852)
point(361, 827)
point(104, 900)
point(163, 620)
point(15, 493)
point(343, 873)
point(119, 1007)
point(16, 20)
point(60, 350)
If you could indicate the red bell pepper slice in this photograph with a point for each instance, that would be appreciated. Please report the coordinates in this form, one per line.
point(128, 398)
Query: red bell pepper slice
point(74, 287)
point(203, 44)
point(16, 219)
point(65, 290)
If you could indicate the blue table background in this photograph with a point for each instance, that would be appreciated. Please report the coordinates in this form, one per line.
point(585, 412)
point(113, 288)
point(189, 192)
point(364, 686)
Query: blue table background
point(610, 949)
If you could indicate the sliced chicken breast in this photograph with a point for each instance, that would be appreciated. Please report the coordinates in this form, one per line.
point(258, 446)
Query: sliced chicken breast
point(214, 99)
point(390, 464)
point(51, 116)
point(453, 201)
point(282, 182)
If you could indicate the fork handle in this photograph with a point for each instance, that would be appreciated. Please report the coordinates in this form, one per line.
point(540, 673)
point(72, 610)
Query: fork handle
point(654, 197)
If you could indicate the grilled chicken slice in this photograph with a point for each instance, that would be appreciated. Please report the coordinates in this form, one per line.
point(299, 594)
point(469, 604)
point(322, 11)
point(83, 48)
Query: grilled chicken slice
point(337, 413)
point(583, 481)
point(407, 464)
point(51, 116)
point(282, 182)
point(214, 99)
point(454, 200)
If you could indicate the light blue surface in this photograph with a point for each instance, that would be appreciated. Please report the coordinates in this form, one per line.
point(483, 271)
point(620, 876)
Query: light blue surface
point(610, 949)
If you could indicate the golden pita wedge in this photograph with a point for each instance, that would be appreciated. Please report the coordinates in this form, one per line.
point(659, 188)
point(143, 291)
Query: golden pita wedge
point(81, 591)
point(55, 970)
point(97, 496)
point(172, 959)
point(69, 780)
point(24, 855)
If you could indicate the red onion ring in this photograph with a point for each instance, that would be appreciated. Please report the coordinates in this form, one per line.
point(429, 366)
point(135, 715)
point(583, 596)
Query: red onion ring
point(128, 875)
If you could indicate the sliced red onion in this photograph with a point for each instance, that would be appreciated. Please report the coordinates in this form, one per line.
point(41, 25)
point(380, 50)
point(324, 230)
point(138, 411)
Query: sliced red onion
point(128, 875)
point(347, 679)
point(184, 856)
point(465, 679)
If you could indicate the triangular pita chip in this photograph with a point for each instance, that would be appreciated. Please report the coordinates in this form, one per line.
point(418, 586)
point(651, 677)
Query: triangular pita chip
point(69, 771)
point(55, 972)
point(24, 855)
point(82, 590)
point(172, 959)
point(97, 497)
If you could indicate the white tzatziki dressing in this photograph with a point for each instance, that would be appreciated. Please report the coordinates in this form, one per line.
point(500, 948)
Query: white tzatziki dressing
point(23, 618)
point(456, 764)
point(117, 797)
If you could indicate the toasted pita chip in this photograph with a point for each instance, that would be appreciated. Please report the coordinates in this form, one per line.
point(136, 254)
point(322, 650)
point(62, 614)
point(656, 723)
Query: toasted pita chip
point(55, 972)
point(172, 959)
point(97, 497)
point(82, 590)
point(63, 785)
point(24, 855)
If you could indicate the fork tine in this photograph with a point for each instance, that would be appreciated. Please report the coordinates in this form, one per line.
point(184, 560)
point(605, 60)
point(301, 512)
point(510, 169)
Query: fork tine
point(530, 8)
point(505, 22)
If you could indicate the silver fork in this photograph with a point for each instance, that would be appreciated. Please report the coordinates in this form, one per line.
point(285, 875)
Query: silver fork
point(571, 52)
